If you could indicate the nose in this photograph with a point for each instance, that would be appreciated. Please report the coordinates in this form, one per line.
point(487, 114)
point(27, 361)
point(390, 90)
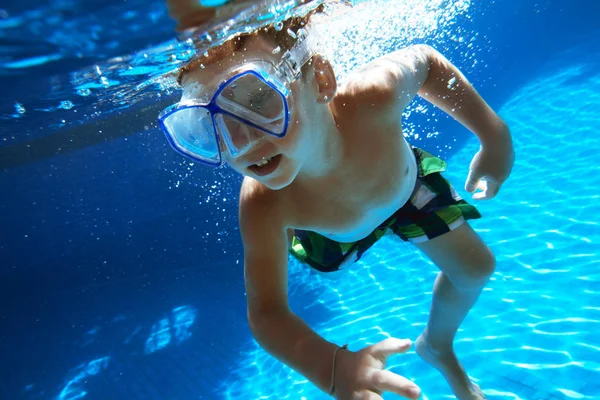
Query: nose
point(241, 139)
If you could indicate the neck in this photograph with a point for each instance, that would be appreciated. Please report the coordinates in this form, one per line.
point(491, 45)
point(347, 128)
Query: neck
point(325, 151)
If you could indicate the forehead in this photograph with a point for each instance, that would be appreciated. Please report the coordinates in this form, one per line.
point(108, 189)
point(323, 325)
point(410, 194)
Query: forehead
point(227, 58)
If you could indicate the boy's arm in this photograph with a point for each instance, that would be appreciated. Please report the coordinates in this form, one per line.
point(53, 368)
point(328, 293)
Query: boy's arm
point(279, 331)
point(448, 89)
point(423, 70)
point(190, 14)
point(275, 327)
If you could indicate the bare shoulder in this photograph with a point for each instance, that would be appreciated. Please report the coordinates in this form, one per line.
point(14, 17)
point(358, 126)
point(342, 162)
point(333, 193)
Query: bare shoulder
point(370, 86)
point(408, 59)
point(389, 82)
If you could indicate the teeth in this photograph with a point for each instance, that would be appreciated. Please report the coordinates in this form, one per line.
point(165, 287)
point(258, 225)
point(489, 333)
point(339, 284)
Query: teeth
point(262, 162)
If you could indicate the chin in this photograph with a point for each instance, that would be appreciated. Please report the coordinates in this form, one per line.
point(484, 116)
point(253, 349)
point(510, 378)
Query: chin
point(282, 178)
point(276, 184)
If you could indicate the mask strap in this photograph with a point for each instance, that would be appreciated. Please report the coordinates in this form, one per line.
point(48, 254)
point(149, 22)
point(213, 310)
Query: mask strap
point(292, 60)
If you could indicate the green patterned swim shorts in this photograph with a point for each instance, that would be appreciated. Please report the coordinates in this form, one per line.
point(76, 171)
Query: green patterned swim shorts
point(434, 208)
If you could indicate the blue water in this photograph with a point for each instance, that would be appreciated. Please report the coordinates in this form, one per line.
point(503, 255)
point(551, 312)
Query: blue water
point(121, 272)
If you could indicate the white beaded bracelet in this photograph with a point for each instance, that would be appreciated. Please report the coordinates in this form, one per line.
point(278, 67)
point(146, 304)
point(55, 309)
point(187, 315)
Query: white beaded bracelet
point(332, 388)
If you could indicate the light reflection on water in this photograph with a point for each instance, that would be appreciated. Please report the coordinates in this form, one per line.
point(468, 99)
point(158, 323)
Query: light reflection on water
point(355, 37)
point(172, 330)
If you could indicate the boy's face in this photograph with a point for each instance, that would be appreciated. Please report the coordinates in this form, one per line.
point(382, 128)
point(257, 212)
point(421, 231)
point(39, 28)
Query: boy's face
point(274, 161)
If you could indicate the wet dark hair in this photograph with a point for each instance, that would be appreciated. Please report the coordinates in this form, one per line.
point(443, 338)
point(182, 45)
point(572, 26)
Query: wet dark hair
point(278, 33)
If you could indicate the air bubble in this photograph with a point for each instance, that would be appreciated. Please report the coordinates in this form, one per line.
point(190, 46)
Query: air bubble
point(66, 105)
point(451, 82)
point(276, 50)
point(19, 108)
point(291, 33)
point(84, 92)
point(279, 26)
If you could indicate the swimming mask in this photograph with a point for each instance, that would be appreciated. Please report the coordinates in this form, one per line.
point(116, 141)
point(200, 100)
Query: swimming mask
point(253, 101)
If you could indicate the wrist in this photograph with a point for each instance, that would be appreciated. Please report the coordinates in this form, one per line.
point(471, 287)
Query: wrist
point(499, 134)
point(337, 367)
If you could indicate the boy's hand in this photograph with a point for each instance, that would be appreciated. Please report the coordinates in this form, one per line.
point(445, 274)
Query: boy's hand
point(491, 166)
point(189, 13)
point(361, 375)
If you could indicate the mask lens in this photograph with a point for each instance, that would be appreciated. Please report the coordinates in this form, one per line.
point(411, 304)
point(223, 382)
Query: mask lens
point(238, 137)
point(250, 98)
point(192, 133)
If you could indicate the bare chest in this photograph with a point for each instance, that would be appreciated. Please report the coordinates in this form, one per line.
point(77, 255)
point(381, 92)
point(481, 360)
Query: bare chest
point(376, 181)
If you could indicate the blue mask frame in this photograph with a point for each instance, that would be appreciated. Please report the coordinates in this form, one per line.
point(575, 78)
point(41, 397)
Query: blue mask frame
point(215, 109)
point(288, 70)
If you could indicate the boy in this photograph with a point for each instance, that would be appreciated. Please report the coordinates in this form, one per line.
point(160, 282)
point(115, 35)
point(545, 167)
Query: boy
point(327, 172)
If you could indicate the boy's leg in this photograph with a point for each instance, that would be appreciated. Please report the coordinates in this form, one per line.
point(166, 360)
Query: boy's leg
point(466, 264)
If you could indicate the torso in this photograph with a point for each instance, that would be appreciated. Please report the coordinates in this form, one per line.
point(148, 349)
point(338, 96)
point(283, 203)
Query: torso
point(375, 178)
point(378, 176)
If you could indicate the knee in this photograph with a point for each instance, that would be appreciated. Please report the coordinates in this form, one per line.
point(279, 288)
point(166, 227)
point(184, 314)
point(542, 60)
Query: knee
point(478, 266)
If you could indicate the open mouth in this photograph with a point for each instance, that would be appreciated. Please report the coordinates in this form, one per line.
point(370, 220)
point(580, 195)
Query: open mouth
point(265, 166)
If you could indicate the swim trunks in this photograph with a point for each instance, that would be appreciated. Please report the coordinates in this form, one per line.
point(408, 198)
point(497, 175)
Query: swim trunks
point(433, 209)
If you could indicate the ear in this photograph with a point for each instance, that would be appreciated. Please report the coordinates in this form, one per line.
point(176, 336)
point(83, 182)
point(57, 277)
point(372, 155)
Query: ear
point(324, 82)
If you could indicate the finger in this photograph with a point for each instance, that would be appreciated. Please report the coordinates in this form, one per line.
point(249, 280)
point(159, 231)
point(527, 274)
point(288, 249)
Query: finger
point(387, 381)
point(489, 191)
point(493, 188)
point(481, 185)
point(370, 396)
point(194, 19)
point(472, 180)
point(390, 346)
